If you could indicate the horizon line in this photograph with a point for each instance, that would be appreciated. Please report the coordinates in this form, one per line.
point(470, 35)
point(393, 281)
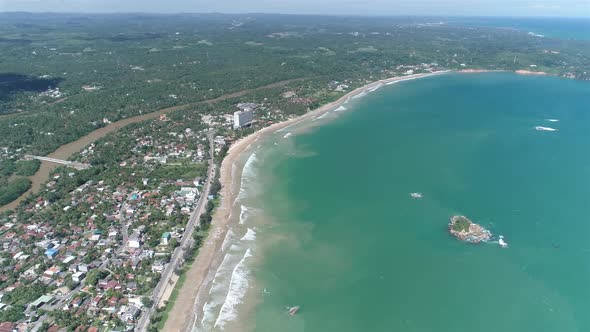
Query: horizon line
point(292, 14)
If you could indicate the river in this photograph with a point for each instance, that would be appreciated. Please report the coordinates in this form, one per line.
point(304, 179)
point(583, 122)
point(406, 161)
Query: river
point(66, 151)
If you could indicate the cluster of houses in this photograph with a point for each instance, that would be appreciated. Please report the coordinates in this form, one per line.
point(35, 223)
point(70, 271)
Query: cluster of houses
point(97, 248)
point(157, 144)
point(43, 257)
point(68, 241)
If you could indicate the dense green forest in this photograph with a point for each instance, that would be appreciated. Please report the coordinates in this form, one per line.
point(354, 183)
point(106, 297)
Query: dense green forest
point(11, 190)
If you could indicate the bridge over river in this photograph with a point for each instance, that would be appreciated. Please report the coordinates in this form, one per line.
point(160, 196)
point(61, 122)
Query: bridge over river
point(73, 164)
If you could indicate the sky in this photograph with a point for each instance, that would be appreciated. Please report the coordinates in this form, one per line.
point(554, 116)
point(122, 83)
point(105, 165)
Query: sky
point(565, 8)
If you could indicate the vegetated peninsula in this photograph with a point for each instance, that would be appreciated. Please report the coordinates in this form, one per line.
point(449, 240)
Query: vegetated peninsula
point(466, 230)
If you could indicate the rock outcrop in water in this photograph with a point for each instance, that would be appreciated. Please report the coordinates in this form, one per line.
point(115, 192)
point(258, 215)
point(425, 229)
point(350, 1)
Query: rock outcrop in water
point(466, 230)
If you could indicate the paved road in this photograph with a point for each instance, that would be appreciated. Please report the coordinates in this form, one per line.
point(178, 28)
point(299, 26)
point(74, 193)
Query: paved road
point(185, 242)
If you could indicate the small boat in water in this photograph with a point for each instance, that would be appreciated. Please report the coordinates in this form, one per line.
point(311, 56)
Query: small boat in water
point(541, 128)
point(502, 243)
point(293, 310)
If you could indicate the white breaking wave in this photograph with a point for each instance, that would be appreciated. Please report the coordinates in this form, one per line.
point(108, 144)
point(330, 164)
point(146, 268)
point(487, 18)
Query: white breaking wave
point(237, 289)
point(340, 109)
point(217, 292)
point(247, 170)
point(243, 214)
point(375, 88)
point(208, 313)
point(249, 236)
point(226, 241)
point(390, 83)
point(287, 135)
point(362, 94)
point(553, 120)
point(217, 283)
point(323, 115)
point(545, 128)
point(247, 173)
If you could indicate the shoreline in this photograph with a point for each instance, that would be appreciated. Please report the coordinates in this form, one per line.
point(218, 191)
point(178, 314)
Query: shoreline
point(190, 302)
point(67, 150)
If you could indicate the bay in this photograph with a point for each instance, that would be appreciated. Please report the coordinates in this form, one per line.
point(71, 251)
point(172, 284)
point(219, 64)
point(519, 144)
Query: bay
point(343, 238)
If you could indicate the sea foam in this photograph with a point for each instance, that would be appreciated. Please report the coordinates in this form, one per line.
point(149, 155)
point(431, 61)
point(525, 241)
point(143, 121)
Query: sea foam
point(243, 214)
point(227, 240)
point(360, 95)
point(375, 88)
point(237, 289)
point(247, 170)
point(249, 236)
point(217, 292)
point(340, 109)
point(247, 173)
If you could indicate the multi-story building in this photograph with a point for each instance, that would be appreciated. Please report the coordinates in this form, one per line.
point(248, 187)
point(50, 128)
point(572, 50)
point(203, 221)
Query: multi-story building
point(243, 118)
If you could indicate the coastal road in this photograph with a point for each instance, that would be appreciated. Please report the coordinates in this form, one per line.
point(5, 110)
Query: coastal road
point(185, 242)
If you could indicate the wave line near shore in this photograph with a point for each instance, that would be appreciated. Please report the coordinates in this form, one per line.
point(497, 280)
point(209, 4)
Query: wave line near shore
point(185, 318)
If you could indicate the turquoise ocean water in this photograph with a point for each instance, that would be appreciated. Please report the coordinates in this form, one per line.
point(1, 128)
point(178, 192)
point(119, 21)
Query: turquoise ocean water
point(556, 27)
point(342, 238)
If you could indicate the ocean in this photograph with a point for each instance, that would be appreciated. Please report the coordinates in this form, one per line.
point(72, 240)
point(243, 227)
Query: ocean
point(556, 27)
point(325, 219)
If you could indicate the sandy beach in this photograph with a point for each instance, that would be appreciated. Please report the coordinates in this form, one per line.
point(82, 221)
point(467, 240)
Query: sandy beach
point(529, 72)
point(476, 71)
point(193, 294)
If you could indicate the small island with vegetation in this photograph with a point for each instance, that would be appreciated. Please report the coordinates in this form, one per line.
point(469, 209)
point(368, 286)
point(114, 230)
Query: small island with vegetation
point(466, 230)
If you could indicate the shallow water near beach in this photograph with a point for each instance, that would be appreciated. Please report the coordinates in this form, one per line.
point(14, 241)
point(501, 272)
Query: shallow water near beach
point(338, 233)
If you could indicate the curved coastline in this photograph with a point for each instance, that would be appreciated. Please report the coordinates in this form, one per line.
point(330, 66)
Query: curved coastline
point(193, 296)
point(69, 149)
